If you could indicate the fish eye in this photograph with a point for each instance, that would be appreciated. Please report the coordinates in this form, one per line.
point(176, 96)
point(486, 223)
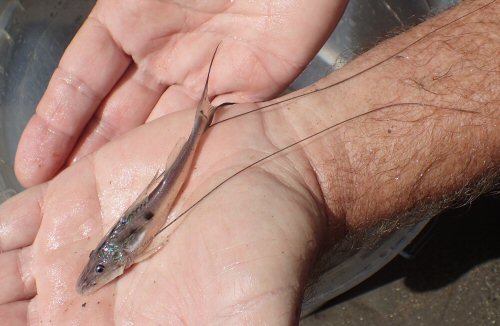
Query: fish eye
point(99, 268)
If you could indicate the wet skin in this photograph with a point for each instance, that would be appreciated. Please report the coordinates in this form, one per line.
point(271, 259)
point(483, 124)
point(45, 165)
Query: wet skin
point(223, 257)
point(145, 70)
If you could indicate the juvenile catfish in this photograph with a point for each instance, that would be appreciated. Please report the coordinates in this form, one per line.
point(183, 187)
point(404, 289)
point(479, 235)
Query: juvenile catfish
point(127, 241)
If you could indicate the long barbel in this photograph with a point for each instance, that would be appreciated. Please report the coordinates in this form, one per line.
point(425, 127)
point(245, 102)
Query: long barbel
point(291, 98)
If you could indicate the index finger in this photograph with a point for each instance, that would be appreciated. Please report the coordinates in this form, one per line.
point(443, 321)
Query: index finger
point(89, 68)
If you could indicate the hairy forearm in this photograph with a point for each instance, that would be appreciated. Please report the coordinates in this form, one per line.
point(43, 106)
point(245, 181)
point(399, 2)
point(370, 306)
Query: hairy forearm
point(436, 141)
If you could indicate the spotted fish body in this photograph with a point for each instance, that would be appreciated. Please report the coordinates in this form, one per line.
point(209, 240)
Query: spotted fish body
point(127, 241)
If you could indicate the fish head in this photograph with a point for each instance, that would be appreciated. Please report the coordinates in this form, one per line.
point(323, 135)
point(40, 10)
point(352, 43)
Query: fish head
point(104, 265)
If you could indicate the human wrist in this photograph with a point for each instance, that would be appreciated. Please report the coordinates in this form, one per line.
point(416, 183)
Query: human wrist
point(437, 142)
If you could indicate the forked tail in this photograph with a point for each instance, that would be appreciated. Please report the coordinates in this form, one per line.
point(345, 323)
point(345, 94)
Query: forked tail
point(205, 108)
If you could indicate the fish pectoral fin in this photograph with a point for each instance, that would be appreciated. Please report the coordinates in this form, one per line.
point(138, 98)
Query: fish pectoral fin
point(135, 241)
point(149, 252)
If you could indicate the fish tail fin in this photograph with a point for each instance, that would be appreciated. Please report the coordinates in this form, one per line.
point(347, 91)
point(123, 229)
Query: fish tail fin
point(204, 106)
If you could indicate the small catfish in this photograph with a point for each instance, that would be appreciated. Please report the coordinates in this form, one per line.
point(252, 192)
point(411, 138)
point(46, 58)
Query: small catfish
point(127, 241)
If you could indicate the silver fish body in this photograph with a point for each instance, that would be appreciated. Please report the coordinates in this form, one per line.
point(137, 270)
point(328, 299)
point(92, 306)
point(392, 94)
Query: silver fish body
point(127, 241)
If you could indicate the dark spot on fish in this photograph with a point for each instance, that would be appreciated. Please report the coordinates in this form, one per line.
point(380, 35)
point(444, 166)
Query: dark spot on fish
point(148, 215)
point(389, 131)
point(84, 304)
point(98, 302)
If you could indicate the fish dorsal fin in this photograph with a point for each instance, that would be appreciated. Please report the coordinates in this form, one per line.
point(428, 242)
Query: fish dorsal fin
point(158, 176)
point(139, 200)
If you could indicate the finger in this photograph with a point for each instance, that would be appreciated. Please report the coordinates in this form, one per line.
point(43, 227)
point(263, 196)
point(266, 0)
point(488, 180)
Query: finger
point(20, 218)
point(16, 279)
point(15, 313)
point(89, 68)
point(127, 106)
point(175, 98)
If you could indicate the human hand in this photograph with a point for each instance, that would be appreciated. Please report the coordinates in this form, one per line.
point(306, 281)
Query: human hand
point(240, 256)
point(135, 61)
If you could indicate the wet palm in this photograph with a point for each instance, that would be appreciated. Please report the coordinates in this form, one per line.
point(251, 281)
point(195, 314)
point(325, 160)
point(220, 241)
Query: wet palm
point(240, 256)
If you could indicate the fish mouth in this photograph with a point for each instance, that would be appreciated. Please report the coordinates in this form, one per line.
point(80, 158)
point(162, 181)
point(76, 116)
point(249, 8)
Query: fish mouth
point(86, 282)
point(89, 282)
point(85, 287)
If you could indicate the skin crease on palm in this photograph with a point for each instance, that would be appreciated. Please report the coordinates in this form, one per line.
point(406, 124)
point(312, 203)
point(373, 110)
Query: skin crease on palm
point(152, 59)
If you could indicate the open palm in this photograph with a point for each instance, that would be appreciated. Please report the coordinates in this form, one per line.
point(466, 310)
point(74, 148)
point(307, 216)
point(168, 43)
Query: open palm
point(239, 257)
point(136, 60)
